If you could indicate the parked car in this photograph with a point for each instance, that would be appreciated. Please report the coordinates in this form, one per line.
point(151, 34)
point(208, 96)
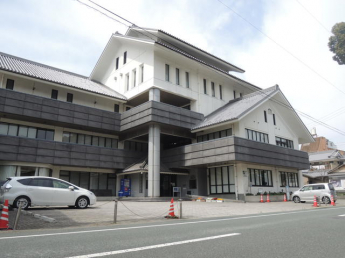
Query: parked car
point(322, 190)
point(44, 191)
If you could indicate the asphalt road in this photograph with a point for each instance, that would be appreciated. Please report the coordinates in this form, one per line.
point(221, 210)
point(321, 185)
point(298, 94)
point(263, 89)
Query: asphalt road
point(308, 233)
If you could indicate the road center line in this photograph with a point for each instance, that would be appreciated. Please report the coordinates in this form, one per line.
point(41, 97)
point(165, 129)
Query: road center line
point(166, 225)
point(342, 215)
point(154, 246)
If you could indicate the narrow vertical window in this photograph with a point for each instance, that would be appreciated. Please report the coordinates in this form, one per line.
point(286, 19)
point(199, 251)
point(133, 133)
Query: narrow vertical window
point(187, 79)
point(205, 87)
point(54, 94)
point(220, 92)
point(274, 119)
point(9, 84)
point(134, 73)
point(127, 81)
point(116, 108)
point(213, 90)
point(117, 63)
point(177, 76)
point(125, 57)
point(167, 75)
point(142, 73)
point(69, 97)
point(234, 94)
point(265, 115)
point(240, 95)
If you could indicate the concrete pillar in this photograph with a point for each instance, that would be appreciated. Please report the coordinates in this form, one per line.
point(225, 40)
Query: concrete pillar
point(155, 94)
point(154, 161)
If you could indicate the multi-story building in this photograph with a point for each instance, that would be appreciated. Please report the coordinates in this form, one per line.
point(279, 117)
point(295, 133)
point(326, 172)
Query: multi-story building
point(156, 110)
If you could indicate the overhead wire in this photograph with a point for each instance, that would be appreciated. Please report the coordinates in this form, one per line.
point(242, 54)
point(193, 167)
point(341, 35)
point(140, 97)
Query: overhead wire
point(260, 92)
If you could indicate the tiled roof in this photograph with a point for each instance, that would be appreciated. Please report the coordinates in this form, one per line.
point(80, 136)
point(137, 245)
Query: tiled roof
point(325, 155)
point(51, 74)
point(315, 173)
point(234, 109)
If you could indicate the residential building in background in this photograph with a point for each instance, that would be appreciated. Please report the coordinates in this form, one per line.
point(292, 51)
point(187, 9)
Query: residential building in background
point(155, 110)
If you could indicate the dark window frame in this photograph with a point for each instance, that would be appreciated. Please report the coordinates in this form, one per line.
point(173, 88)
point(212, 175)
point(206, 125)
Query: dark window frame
point(177, 75)
point(220, 92)
point(205, 86)
point(125, 57)
point(9, 84)
point(257, 177)
point(265, 116)
point(69, 97)
point(117, 63)
point(187, 79)
point(213, 89)
point(55, 94)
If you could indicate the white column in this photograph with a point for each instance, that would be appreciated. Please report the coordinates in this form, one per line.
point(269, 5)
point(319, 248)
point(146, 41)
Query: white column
point(154, 152)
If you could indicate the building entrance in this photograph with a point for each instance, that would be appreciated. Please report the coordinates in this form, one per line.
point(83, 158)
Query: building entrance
point(167, 184)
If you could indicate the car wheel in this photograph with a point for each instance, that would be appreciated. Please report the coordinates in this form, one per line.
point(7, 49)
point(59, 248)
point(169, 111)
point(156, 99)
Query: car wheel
point(296, 199)
point(326, 200)
point(82, 202)
point(23, 201)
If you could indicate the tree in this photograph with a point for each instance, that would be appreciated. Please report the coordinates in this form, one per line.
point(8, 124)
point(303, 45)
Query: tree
point(336, 43)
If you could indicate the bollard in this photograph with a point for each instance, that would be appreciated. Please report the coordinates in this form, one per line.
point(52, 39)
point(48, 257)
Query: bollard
point(19, 210)
point(180, 208)
point(115, 211)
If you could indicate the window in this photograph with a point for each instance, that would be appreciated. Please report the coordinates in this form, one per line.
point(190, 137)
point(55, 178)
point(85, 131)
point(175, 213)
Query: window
point(128, 108)
point(54, 94)
point(60, 184)
point(215, 135)
point(192, 182)
point(240, 95)
point(284, 143)
point(167, 71)
point(41, 182)
point(274, 119)
point(220, 92)
point(69, 97)
point(265, 115)
point(9, 84)
point(27, 132)
point(142, 73)
point(117, 63)
point(187, 79)
point(213, 90)
point(222, 180)
point(259, 177)
point(256, 136)
point(234, 94)
point(288, 178)
point(134, 73)
point(127, 81)
point(177, 76)
point(84, 139)
point(116, 108)
point(135, 146)
point(125, 57)
point(205, 87)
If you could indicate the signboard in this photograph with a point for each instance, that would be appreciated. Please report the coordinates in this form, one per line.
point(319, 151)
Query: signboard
point(176, 189)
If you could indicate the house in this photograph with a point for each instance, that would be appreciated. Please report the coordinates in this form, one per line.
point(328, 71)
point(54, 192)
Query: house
point(156, 110)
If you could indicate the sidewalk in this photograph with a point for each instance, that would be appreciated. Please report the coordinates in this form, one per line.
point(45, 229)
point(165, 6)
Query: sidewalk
point(138, 212)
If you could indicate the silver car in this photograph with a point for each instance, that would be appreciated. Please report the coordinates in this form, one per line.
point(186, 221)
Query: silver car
point(322, 190)
point(44, 191)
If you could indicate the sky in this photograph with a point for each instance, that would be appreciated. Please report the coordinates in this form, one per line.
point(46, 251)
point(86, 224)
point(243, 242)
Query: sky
point(276, 42)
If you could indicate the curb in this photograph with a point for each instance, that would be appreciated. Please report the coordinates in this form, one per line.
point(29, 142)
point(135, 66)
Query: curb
point(38, 216)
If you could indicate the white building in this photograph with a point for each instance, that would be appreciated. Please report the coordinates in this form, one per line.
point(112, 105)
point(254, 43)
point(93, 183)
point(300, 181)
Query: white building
point(162, 112)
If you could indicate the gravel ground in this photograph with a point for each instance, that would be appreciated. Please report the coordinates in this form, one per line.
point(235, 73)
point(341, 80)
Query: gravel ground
point(136, 212)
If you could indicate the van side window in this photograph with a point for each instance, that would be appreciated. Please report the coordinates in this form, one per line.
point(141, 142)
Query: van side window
point(318, 187)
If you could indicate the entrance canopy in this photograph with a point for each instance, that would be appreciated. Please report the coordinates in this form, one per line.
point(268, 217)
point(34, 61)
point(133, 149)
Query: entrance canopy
point(142, 167)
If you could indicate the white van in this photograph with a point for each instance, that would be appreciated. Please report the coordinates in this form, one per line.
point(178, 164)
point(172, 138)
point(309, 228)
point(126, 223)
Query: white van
point(322, 190)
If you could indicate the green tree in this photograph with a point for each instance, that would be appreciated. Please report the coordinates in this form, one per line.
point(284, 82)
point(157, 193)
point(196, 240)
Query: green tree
point(337, 42)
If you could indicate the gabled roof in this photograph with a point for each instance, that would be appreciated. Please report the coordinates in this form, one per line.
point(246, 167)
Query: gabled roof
point(236, 108)
point(32, 69)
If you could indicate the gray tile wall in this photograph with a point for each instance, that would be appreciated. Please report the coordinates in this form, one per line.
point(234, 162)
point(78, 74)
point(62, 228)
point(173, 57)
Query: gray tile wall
point(234, 149)
point(64, 154)
point(34, 108)
point(153, 111)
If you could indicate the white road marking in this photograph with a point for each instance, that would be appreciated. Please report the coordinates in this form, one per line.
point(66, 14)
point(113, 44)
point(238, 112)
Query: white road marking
point(342, 215)
point(166, 225)
point(153, 246)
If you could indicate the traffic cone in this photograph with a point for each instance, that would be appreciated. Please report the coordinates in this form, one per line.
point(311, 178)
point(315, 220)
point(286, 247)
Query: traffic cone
point(285, 200)
point(262, 199)
point(332, 201)
point(268, 198)
point(4, 217)
point(171, 210)
point(315, 202)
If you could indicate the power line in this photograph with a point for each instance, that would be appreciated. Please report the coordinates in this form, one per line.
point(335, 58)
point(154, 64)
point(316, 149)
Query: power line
point(313, 16)
point(278, 102)
point(279, 45)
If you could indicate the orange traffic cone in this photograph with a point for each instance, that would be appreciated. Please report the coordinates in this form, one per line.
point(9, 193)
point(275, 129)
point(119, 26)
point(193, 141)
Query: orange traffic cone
point(261, 199)
point(4, 217)
point(268, 198)
point(315, 202)
point(171, 210)
point(285, 200)
point(332, 200)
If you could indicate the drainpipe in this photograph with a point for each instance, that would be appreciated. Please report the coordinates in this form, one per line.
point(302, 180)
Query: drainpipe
point(236, 182)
